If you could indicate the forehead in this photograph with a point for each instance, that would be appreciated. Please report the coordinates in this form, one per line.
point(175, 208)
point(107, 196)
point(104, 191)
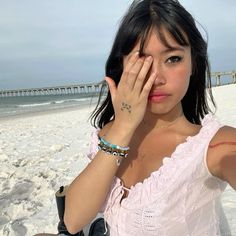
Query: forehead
point(160, 39)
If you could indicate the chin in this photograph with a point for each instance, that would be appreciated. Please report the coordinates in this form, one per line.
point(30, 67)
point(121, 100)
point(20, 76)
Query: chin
point(157, 110)
point(164, 109)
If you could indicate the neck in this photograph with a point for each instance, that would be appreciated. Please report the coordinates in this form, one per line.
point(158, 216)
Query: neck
point(159, 122)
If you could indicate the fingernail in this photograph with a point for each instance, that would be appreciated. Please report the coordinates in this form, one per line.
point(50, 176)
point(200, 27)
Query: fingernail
point(149, 58)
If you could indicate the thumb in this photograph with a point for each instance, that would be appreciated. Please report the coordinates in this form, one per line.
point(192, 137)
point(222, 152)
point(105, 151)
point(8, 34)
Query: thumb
point(111, 85)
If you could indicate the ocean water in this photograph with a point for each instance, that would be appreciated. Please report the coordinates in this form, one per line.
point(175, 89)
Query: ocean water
point(12, 106)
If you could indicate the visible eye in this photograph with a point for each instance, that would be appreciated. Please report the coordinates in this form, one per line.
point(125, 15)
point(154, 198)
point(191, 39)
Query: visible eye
point(174, 59)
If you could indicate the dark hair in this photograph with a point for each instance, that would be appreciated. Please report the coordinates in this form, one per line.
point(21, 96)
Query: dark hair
point(136, 24)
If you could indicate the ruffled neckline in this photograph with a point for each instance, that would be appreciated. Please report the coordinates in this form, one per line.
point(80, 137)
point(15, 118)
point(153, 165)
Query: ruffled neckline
point(154, 186)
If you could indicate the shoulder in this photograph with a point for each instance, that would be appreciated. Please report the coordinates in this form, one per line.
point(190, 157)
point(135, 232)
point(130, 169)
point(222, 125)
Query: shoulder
point(225, 136)
point(222, 145)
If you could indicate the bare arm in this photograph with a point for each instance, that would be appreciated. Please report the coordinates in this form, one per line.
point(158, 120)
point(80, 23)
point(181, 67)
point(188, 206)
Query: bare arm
point(228, 168)
point(88, 191)
point(224, 152)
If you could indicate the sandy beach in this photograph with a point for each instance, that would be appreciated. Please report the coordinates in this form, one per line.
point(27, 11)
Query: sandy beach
point(41, 152)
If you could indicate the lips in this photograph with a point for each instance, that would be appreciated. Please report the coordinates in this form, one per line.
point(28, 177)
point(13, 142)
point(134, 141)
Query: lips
point(157, 96)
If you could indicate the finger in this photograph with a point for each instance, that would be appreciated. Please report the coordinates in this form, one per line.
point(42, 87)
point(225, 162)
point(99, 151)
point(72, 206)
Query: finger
point(112, 86)
point(148, 86)
point(131, 60)
point(143, 75)
point(128, 63)
point(132, 74)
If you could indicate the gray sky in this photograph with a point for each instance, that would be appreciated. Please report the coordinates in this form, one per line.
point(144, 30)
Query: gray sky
point(59, 42)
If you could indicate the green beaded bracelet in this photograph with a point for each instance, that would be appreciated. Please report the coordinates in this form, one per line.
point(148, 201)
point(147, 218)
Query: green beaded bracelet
point(113, 145)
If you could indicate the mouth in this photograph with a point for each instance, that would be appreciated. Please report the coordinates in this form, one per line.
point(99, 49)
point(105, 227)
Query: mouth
point(158, 97)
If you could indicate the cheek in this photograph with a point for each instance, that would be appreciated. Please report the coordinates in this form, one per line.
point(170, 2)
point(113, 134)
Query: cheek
point(184, 72)
point(182, 79)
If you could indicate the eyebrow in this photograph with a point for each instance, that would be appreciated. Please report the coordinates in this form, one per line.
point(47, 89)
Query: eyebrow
point(168, 50)
point(171, 49)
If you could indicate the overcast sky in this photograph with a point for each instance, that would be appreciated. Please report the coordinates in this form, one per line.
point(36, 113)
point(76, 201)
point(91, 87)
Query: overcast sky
point(58, 42)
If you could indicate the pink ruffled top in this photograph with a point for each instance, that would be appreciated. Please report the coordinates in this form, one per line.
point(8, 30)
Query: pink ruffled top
point(181, 198)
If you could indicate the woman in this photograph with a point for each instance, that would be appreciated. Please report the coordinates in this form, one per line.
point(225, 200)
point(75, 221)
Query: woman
point(159, 160)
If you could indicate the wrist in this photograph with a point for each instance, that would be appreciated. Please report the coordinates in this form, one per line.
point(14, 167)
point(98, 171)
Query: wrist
point(119, 135)
point(122, 130)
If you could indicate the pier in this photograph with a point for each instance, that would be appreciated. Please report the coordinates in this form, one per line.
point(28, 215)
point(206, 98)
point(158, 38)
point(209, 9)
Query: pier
point(94, 88)
point(219, 75)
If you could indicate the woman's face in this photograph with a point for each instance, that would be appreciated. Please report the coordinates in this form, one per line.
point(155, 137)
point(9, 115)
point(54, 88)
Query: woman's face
point(173, 67)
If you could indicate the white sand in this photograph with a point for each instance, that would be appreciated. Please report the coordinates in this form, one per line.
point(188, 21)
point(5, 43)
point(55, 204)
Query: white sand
point(40, 153)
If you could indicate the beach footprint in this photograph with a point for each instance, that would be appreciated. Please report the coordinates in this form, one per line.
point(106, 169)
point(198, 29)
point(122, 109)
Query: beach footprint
point(18, 227)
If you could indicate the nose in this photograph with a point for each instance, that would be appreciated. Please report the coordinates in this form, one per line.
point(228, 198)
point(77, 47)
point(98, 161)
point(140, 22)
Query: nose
point(157, 69)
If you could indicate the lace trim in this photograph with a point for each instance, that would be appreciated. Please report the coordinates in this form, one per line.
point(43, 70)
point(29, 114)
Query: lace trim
point(155, 186)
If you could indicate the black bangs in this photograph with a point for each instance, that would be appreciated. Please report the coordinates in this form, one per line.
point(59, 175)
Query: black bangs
point(167, 16)
point(175, 32)
point(178, 35)
point(142, 18)
point(138, 30)
point(143, 39)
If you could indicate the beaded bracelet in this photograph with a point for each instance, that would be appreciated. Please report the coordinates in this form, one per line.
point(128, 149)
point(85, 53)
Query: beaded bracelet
point(112, 149)
point(113, 145)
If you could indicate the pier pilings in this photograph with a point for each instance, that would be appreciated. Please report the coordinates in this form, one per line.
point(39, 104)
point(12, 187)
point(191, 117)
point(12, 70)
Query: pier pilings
point(59, 90)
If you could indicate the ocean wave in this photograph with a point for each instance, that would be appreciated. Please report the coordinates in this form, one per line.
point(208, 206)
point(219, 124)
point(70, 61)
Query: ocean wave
point(70, 100)
point(34, 105)
point(53, 102)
